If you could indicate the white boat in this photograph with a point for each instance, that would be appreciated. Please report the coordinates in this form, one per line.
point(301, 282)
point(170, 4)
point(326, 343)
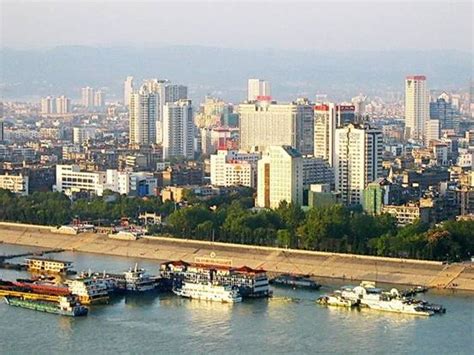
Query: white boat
point(89, 289)
point(336, 300)
point(375, 298)
point(208, 292)
point(137, 280)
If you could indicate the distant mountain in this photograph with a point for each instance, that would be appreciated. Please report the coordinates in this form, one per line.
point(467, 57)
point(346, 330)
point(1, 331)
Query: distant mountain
point(224, 72)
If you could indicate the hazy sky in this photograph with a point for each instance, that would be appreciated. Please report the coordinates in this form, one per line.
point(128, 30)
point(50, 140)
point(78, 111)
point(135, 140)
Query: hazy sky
point(240, 24)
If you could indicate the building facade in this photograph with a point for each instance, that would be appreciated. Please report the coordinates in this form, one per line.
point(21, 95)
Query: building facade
point(257, 88)
point(178, 130)
point(416, 106)
point(143, 116)
point(17, 184)
point(280, 177)
point(234, 168)
point(358, 161)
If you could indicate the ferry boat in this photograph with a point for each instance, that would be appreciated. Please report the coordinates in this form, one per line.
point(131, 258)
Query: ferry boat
point(337, 300)
point(48, 265)
point(208, 292)
point(295, 281)
point(89, 290)
point(252, 283)
point(375, 298)
point(65, 307)
point(137, 280)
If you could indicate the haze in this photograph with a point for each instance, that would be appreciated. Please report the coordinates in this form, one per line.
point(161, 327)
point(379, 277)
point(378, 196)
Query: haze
point(423, 25)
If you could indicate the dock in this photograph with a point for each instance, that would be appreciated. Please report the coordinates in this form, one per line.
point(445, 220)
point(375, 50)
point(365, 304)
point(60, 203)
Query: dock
point(4, 264)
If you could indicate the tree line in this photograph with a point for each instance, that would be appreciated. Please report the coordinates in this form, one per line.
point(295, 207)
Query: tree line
point(232, 218)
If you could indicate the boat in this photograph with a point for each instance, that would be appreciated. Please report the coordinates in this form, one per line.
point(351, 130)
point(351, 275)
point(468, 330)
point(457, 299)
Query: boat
point(137, 280)
point(67, 306)
point(377, 299)
point(295, 281)
point(89, 290)
point(336, 300)
point(208, 292)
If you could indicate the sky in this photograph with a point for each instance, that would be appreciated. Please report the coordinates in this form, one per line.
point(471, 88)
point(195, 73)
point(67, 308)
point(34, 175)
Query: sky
point(306, 25)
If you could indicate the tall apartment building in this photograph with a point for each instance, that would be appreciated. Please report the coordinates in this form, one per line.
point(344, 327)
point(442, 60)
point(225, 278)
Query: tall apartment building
point(82, 134)
point(127, 90)
point(178, 130)
point(265, 123)
point(99, 99)
point(48, 105)
point(256, 88)
point(234, 168)
point(143, 116)
point(416, 106)
point(88, 97)
point(358, 161)
point(432, 131)
point(63, 105)
point(280, 177)
point(328, 117)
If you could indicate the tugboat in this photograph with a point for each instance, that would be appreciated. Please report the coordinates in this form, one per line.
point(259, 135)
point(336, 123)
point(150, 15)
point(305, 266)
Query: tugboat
point(295, 281)
point(209, 292)
point(67, 306)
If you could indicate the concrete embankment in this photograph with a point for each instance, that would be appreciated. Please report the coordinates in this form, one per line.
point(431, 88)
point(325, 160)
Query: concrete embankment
point(320, 264)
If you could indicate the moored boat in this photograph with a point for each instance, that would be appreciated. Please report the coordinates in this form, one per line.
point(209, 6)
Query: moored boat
point(336, 300)
point(295, 281)
point(209, 292)
point(137, 280)
point(67, 306)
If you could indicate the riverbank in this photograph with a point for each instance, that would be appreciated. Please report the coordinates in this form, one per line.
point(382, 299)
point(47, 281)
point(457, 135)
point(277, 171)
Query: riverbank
point(318, 264)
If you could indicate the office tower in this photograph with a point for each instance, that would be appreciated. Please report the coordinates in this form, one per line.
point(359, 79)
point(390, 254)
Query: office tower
point(63, 105)
point(328, 117)
point(358, 160)
point(416, 106)
point(99, 99)
point(256, 88)
point(432, 131)
point(178, 130)
point(280, 177)
point(442, 111)
point(127, 90)
point(48, 105)
point(143, 116)
point(88, 97)
point(264, 123)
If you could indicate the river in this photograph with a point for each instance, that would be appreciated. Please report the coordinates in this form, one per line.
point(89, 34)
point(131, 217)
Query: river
point(290, 322)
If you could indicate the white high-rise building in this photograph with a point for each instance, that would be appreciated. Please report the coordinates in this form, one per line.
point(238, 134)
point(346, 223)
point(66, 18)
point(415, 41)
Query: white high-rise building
point(234, 168)
point(48, 105)
point(328, 117)
point(143, 116)
point(99, 99)
point(127, 90)
point(256, 88)
point(358, 161)
point(178, 130)
point(88, 97)
point(266, 123)
point(82, 134)
point(280, 177)
point(432, 131)
point(417, 106)
point(63, 105)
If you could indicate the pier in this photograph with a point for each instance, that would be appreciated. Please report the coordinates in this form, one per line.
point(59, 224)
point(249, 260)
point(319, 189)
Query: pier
point(20, 266)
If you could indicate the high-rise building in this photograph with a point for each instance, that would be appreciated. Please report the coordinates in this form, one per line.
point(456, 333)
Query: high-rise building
point(264, 123)
point(432, 131)
point(99, 99)
point(48, 105)
point(82, 134)
point(88, 97)
point(127, 90)
point(142, 116)
point(416, 106)
point(178, 130)
point(280, 177)
point(358, 160)
point(63, 105)
point(256, 88)
point(442, 110)
point(328, 117)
